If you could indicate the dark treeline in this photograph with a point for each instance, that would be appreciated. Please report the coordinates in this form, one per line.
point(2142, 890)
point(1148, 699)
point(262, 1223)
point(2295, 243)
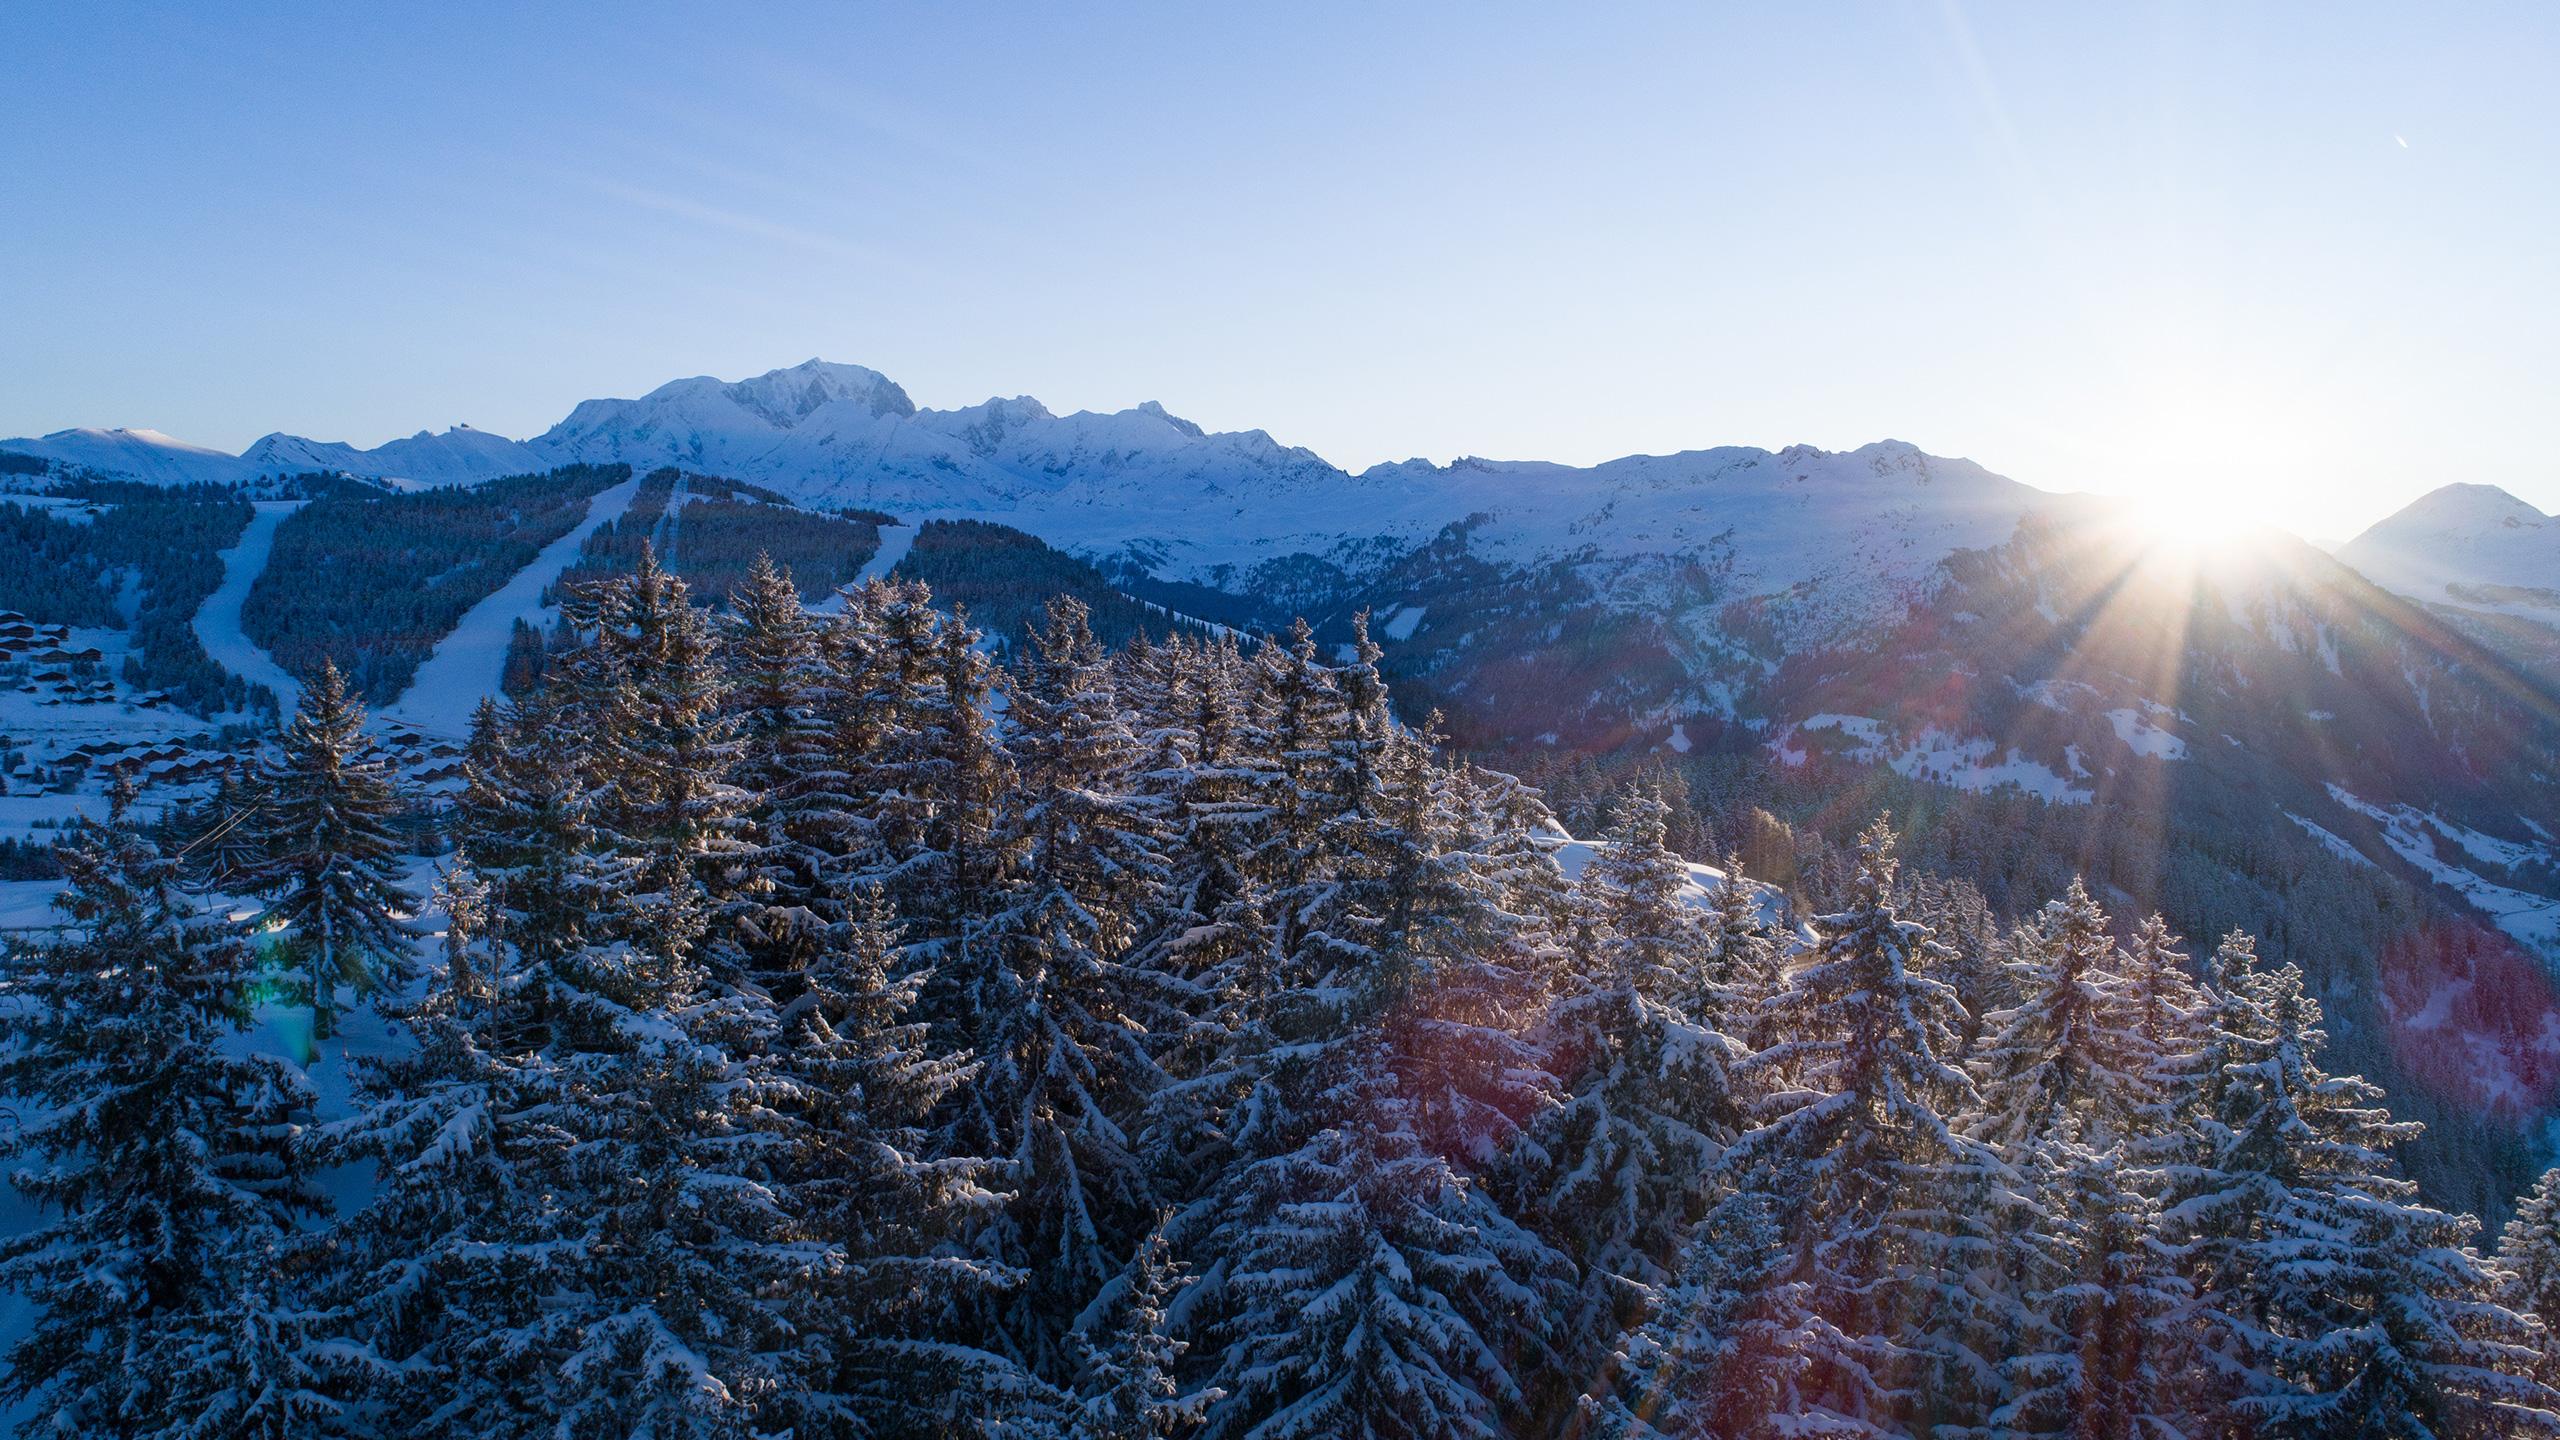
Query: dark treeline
point(833, 1034)
point(1006, 578)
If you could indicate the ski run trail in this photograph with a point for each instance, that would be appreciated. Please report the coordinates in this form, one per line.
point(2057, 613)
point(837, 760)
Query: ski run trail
point(466, 664)
point(895, 542)
point(217, 620)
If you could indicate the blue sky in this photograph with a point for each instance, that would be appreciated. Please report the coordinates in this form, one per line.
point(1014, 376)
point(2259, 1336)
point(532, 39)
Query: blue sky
point(2298, 260)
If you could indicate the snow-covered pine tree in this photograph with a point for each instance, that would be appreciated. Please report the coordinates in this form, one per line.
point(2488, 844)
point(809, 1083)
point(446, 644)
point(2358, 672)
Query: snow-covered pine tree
point(1207, 761)
point(168, 1171)
point(1417, 936)
point(1749, 969)
point(434, 1280)
point(1622, 1166)
point(1890, 1282)
point(2371, 1315)
point(1700, 1363)
point(2166, 1030)
point(955, 787)
point(1362, 1278)
point(1303, 713)
point(1043, 993)
point(1635, 922)
point(478, 809)
point(887, 1344)
point(2059, 1068)
point(1126, 1358)
point(2215, 1197)
point(679, 1258)
point(525, 828)
point(2074, 1079)
point(2529, 1254)
point(2106, 1360)
point(327, 859)
point(785, 893)
point(1374, 1292)
point(1367, 722)
point(231, 842)
point(588, 1168)
point(649, 688)
point(1513, 836)
point(882, 650)
point(261, 1364)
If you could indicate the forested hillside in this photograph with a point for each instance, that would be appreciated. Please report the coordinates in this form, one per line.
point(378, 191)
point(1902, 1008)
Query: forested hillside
point(120, 555)
point(813, 1045)
point(710, 530)
point(1006, 579)
point(372, 580)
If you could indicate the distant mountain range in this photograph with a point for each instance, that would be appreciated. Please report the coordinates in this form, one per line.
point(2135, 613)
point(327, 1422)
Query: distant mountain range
point(1191, 501)
point(1183, 503)
point(2357, 757)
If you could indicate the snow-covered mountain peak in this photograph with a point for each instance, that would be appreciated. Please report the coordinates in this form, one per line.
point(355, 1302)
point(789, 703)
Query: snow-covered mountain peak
point(134, 438)
point(1190, 428)
point(140, 452)
point(2464, 507)
point(785, 397)
point(2469, 545)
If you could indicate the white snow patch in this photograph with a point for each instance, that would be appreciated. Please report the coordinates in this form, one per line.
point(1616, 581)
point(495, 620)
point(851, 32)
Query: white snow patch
point(1857, 726)
point(1981, 766)
point(2145, 738)
point(1401, 625)
point(1976, 765)
point(1704, 884)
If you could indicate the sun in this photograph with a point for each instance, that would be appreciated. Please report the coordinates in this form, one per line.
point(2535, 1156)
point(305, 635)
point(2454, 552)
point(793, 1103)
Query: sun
point(2193, 519)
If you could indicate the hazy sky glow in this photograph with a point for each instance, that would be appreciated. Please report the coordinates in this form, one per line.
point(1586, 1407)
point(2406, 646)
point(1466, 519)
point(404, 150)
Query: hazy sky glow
point(2299, 260)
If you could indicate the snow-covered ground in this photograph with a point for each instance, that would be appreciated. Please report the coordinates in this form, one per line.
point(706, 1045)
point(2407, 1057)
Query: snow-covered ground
point(218, 619)
point(1977, 765)
point(467, 663)
point(1706, 882)
point(2144, 738)
point(2330, 841)
point(2414, 835)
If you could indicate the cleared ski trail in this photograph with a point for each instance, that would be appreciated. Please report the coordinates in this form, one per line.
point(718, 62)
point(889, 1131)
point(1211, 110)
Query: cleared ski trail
point(895, 542)
point(217, 620)
point(466, 663)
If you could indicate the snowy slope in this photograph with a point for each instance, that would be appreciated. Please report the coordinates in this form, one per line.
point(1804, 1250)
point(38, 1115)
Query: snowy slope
point(2472, 546)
